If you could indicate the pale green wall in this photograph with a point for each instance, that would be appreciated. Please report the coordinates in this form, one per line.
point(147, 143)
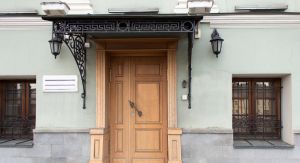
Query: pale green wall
point(100, 6)
point(255, 52)
point(20, 5)
point(252, 52)
point(165, 6)
point(27, 53)
point(246, 51)
point(228, 5)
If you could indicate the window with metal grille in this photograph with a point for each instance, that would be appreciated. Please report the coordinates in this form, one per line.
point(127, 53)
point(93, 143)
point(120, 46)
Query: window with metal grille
point(17, 111)
point(256, 108)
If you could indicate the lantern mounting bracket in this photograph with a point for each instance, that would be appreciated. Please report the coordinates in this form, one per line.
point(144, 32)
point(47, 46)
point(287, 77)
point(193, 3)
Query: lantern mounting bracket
point(75, 43)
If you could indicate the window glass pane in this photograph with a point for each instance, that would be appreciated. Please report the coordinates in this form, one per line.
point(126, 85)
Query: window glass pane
point(256, 109)
point(265, 98)
point(17, 109)
point(13, 94)
point(240, 97)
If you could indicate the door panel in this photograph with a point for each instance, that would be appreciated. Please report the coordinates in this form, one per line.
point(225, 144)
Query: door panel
point(119, 140)
point(119, 102)
point(147, 69)
point(148, 140)
point(119, 119)
point(148, 90)
point(148, 95)
point(138, 138)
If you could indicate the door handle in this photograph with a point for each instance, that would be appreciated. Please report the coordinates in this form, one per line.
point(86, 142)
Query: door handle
point(133, 106)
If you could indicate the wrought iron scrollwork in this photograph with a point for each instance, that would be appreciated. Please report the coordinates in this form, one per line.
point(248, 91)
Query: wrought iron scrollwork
point(256, 127)
point(75, 43)
point(123, 26)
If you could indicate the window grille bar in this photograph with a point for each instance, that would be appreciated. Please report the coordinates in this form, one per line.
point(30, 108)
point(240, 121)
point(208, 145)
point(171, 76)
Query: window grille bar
point(18, 100)
point(255, 109)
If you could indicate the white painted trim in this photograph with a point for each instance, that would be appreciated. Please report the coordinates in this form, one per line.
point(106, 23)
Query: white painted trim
point(296, 131)
point(253, 21)
point(77, 1)
point(23, 23)
point(207, 131)
point(79, 7)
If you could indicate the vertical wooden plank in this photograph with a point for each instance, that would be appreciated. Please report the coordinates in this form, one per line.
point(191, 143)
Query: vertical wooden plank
point(3, 92)
point(119, 109)
point(107, 91)
point(278, 103)
point(172, 110)
point(99, 135)
point(100, 87)
point(23, 99)
point(27, 99)
point(174, 133)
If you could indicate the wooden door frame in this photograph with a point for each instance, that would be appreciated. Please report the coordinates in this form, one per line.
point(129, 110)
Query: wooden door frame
point(99, 152)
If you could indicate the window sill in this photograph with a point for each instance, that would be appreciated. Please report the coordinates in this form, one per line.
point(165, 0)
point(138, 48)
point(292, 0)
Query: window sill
point(16, 143)
point(261, 144)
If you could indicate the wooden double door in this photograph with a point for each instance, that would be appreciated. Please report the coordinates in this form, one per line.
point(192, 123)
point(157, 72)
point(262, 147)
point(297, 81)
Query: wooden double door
point(138, 109)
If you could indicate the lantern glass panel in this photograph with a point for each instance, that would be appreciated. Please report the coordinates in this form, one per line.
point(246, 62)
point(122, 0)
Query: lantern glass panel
point(220, 45)
point(55, 46)
point(216, 42)
point(215, 46)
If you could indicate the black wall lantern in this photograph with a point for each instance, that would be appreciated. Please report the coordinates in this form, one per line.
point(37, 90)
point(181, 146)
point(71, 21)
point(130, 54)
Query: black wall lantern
point(216, 42)
point(55, 45)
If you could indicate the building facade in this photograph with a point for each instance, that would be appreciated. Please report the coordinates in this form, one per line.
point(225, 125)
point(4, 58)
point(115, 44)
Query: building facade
point(243, 104)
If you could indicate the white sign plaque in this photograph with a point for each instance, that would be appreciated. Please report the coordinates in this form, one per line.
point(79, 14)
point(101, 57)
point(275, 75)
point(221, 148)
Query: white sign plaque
point(60, 83)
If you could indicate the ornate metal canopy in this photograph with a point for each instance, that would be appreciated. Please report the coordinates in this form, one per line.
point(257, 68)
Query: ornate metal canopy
point(77, 27)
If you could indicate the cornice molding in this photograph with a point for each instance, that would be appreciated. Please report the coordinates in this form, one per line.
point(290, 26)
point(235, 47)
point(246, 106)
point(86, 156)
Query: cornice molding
point(79, 7)
point(252, 21)
point(23, 23)
point(215, 21)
